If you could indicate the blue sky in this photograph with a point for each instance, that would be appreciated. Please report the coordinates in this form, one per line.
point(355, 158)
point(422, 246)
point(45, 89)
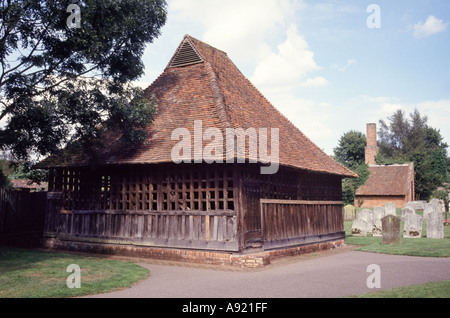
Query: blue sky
point(319, 63)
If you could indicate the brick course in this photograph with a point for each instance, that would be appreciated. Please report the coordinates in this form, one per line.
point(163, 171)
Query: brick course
point(250, 260)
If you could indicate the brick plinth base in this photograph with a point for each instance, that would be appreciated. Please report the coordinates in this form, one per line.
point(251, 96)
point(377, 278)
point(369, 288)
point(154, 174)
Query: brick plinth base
point(247, 260)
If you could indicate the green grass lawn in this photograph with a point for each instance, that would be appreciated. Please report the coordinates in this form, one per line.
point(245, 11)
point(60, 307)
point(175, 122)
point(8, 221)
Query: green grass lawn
point(38, 274)
point(428, 290)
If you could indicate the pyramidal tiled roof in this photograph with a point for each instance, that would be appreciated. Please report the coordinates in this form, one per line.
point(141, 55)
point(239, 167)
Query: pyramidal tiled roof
point(200, 82)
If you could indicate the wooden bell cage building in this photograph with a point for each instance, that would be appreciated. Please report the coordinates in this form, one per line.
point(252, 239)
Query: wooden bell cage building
point(141, 202)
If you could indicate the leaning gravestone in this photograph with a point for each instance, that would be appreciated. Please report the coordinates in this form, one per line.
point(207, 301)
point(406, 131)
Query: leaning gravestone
point(435, 225)
point(349, 212)
point(391, 229)
point(412, 227)
point(406, 211)
point(359, 227)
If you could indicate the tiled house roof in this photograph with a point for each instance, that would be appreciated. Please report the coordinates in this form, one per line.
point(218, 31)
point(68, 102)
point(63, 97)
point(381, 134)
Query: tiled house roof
point(28, 184)
point(394, 180)
point(201, 83)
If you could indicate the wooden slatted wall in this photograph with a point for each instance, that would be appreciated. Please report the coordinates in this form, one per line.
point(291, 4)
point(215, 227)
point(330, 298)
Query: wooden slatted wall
point(177, 206)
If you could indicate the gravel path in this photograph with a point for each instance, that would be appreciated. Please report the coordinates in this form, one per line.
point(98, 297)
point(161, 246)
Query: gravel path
point(342, 272)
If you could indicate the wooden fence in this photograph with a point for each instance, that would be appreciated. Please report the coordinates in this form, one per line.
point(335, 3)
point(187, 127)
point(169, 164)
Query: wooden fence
point(293, 222)
point(21, 213)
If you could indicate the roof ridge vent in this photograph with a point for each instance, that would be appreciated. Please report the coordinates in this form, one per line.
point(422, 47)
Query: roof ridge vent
point(186, 55)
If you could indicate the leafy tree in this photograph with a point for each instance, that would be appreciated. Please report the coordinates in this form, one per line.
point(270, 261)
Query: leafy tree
point(349, 186)
point(24, 171)
point(351, 153)
point(351, 149)
point(60, 84)
point(411, 139)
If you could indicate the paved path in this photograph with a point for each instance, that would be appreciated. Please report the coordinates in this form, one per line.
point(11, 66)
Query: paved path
point(325, 275)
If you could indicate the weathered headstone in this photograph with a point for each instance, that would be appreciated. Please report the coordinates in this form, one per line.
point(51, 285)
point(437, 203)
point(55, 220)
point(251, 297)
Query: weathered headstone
point(390, 208)
point(410, 205)
point(349, 212)
point(377, 228)
point(378, 213)
point(435, 225)
point(367, 216)
point(428, 208)
point(412, 227)
point(419, 205)
point(438, 203)
point(359, 227)
point(406, 211)
point(391, 229)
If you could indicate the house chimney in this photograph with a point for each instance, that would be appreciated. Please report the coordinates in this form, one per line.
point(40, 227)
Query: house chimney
point(371, 148)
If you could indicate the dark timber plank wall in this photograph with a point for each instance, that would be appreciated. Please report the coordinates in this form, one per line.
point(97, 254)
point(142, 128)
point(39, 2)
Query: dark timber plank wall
point(296, 222)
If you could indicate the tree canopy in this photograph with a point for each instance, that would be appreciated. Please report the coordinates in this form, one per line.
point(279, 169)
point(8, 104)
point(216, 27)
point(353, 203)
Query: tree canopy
point(59, 83)
point(351, 149)
point(404, 139)
point(351, 153)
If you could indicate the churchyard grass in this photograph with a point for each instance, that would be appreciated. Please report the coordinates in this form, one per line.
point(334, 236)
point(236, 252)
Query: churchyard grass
point(39, 274)
point(408, 246)
point(429, 290)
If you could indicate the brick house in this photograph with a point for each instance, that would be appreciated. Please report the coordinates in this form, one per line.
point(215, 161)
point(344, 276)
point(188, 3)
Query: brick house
point(393, 183)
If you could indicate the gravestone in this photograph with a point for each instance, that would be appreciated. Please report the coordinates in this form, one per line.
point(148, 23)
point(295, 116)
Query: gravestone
point(412, 227)
point(359, 227)
point(428, 208)
point(377, 228)
point(435, 225)
point(438, 203)
point(419, 205)
point(391, 229)
point(390, 208)
point(406, 211)
point(378, 213)
point(410, 205)
point(349, 212)
point(367, 216)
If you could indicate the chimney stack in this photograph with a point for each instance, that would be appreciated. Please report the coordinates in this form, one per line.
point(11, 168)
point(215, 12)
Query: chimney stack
point(371, 148)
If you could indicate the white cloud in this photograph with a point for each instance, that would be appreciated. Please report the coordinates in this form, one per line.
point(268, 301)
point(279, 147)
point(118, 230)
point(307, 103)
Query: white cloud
point(431, 26)
point(249, 31)
point(283, 70)
point(438, 112)
point(234, 25)
point(315, 82)
point(315, 119)
point(345, 67)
